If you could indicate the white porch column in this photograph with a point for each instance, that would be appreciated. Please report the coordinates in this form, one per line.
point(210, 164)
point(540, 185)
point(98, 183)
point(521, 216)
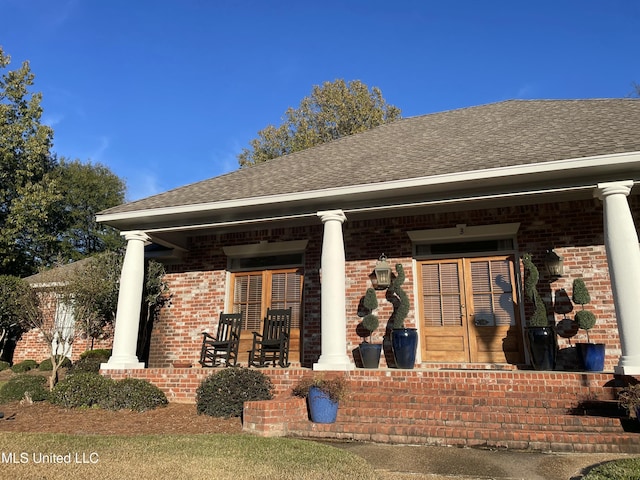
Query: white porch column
point(332, 301)
point(125, 337)
point(623, 256)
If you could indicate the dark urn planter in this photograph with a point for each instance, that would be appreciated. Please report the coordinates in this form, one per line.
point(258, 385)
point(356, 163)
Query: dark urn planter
point(321, 408)
point(405, 344)
point(592, 356)
point(370, 354)
point(543, 347)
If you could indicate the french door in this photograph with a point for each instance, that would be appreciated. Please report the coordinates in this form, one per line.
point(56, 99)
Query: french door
point(254, 292)
point(468, 310)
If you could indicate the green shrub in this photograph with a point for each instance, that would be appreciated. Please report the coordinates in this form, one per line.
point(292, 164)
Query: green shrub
point(4, 365)
point(134, 394)
point(24, 366)
point(17, 386)
point(81, 390)
point(101, 353)
point(86, 365)
point(624, 469)
point(223, 394)
point(46, 366)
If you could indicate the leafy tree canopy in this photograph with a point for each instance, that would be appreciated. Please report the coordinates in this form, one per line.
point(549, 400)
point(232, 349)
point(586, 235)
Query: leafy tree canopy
point(333, 110)
point(47, 207)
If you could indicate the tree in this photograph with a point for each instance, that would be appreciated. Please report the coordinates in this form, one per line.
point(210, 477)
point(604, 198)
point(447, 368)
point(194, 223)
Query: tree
point(85, 190)
point(333, 110)
point(18, 310)
point(27, 191)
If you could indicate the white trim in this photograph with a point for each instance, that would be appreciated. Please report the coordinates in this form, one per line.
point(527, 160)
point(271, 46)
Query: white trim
point(498, 231)
point(264, 249)
point(561, 167)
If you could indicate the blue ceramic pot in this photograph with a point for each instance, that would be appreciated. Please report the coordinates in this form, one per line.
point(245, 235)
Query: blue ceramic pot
point(592, 356)
point(405, 344)
point(321, 408)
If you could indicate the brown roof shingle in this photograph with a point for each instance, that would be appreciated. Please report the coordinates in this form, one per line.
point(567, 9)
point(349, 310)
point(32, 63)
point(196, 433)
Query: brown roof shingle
point(508, 133)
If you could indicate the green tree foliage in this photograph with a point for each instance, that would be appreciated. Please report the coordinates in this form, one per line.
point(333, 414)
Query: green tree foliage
point(86, 189)
point(93, 289)
point(333, 110)
point(18, 307)
point(27, 191)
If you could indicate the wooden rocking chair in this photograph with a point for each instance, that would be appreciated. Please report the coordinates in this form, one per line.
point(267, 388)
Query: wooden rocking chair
point(273, 344)
point(223, 348)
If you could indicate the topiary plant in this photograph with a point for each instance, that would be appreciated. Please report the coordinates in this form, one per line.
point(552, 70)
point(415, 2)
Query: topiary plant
point(17, 387)
point(532, 275)
point(223, 394)
point(24, 366)
point(398, 298)
point(81, 390)
point(580, 296)
point(370, 321)
point(134, 394)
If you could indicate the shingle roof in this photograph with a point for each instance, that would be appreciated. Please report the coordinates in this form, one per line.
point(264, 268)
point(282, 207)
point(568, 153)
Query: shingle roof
point(509, 133)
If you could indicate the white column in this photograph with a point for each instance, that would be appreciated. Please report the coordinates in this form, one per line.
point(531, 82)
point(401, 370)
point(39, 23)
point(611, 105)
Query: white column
point(333, 291)
point(623, 256)
point(125, 337)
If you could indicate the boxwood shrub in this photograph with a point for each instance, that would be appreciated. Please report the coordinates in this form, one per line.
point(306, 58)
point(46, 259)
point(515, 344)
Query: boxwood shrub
point(24, 366)
point(223, 394)
point(17, 386)
point(101, 353)
point(134, 394)
point(46, 366)
point(4, 365)
point(81, 390)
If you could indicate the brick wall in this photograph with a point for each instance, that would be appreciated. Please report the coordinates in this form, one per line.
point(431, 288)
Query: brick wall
point(198, 285)
point(33, 345)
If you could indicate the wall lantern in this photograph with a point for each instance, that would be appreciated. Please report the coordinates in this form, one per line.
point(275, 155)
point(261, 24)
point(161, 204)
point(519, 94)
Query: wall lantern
point(554, 264)
point(382, 273)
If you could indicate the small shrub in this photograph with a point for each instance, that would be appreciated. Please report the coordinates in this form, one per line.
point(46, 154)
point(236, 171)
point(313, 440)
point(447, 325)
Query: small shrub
point(24, 366)
point(17, 386)
point(101, 353)
point(134, 394)
point(81, 390)
point(86, 365)
point(46, 366)
point(4, 365)
point(223, 394)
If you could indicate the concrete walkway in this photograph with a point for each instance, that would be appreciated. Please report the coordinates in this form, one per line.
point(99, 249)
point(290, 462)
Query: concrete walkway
point(400, 462)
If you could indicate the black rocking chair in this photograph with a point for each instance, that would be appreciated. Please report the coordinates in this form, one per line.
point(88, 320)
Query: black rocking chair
point(273, 344)
point(223, 348)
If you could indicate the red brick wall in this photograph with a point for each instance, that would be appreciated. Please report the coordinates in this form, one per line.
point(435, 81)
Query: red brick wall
point(573, 229)
point(33, 346)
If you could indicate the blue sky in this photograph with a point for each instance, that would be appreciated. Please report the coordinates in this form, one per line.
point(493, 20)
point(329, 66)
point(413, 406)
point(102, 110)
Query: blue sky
point(168, 92)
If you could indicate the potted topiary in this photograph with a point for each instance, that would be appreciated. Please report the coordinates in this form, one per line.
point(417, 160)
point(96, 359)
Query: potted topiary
point(591, 354)
point(541, 338)
point(370, 352)
point(323, 395)
point(629, 399)
point(403, 339)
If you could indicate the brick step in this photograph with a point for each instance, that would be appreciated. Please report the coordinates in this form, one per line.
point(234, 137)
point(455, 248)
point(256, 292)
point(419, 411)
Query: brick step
point(465, 436)
point(492, 420)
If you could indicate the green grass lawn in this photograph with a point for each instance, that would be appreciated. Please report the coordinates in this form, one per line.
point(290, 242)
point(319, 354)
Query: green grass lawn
point(625, 469)
point(175, 457)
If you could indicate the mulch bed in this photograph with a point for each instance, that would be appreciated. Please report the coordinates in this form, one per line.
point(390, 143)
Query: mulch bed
point(176, 418)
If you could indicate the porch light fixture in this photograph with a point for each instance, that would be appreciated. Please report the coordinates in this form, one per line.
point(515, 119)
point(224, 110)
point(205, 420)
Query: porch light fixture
point(554, 264)
point(382, 273)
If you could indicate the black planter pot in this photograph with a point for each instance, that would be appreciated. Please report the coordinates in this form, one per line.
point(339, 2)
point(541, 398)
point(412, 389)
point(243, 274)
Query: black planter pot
point(370, 354)
point(405, 344)
point(543, 347)
point(592, 356)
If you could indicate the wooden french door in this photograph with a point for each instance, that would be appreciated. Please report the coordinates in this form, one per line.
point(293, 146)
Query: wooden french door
point(254, 292)
point(468, 310)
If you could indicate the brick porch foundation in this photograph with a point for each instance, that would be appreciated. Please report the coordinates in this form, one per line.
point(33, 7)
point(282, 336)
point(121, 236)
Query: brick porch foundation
point(516, 409)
